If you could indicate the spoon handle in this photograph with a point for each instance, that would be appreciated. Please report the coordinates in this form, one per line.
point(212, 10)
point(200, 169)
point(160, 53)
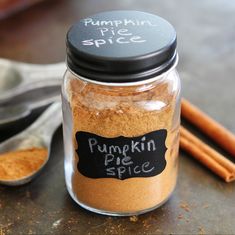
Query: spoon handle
point(32, 73)
point(48, 122)
point(43, 101)
point(34, 77)
point(39, 76)
point(12, 113)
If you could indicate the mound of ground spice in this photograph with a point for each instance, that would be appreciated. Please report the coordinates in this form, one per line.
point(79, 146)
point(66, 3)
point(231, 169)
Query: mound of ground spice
point(19, 164)
point(129, 112)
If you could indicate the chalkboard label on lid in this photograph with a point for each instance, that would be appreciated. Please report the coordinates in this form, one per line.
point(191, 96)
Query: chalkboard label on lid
point(121, 157)
point(121, 34)
point(121, 46)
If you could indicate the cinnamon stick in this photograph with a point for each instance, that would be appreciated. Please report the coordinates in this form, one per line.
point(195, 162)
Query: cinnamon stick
point(207, 156)
point(210, 127)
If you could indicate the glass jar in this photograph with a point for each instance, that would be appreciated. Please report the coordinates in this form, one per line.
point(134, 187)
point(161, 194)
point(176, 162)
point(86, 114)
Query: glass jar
point(121, 108)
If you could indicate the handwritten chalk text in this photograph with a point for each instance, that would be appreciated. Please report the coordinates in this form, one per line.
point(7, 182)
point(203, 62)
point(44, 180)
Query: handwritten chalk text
point(117, 23)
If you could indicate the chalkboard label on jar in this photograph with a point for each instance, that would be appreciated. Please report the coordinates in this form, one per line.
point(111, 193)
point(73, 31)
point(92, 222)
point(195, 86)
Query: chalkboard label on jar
point(121, 157)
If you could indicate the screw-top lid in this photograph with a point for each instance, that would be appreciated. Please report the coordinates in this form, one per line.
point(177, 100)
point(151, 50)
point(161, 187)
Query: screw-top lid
point(121, 46)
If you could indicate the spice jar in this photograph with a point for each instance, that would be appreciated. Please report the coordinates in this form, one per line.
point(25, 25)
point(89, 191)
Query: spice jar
point(121, 107)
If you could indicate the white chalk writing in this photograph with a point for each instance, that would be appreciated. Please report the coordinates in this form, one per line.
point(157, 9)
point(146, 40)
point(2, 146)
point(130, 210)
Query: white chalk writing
point(132, 146)
point(117, 23)
point(110, 33)
point(117, 162)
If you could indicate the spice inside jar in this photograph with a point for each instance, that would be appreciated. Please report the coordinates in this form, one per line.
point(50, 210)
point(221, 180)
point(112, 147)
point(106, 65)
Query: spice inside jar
point(121, 105)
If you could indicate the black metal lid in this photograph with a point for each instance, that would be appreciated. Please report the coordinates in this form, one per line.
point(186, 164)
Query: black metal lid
point(121, 46)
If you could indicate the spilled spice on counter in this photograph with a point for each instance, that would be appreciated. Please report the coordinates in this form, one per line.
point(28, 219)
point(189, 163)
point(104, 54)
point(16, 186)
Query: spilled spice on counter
point(180, 216)
point(201, 230)
point(19, 164)
point(134, 218)
point(185, 206)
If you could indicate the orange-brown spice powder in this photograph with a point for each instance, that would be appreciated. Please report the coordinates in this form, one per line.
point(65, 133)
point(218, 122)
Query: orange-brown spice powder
point(111, 113)
point(19, 164)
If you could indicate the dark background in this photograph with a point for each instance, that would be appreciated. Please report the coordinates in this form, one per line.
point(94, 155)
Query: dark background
point(202, 203)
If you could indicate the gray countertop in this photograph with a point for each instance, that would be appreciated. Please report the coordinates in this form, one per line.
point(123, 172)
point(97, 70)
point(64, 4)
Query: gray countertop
point(202, 203)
